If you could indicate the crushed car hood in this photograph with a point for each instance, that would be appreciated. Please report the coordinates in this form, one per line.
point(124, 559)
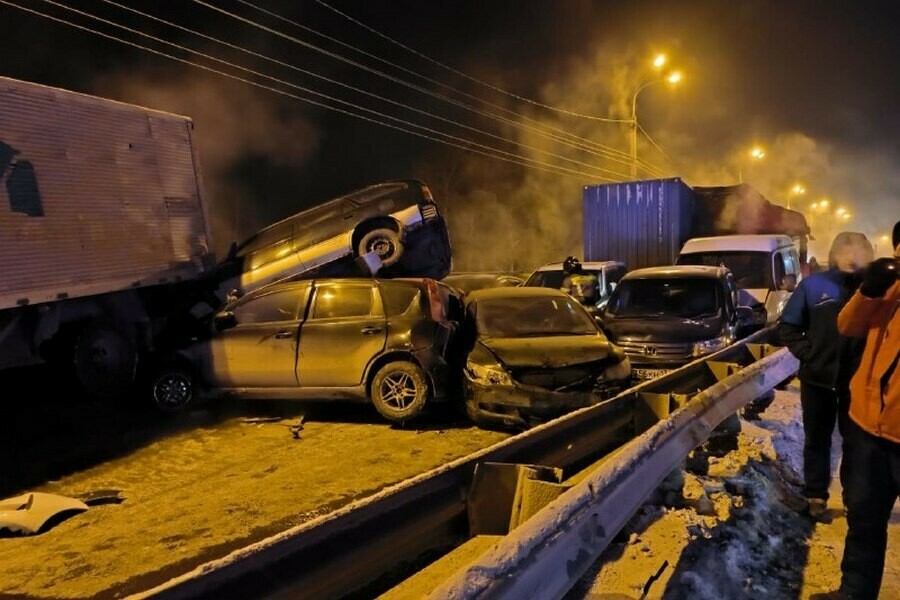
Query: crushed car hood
point(554, 351)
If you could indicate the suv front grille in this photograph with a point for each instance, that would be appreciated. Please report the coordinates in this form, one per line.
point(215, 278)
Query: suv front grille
point(657, 350)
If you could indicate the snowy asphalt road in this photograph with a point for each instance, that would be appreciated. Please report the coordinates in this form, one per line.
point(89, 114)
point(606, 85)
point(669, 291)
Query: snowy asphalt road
point(735, 533)
point(202, 484)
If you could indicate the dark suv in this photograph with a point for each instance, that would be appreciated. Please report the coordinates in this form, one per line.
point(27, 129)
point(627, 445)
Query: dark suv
point(384, 340)
point(665, 317)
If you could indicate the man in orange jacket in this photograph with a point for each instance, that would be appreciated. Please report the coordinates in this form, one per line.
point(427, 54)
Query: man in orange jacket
point(870, 471)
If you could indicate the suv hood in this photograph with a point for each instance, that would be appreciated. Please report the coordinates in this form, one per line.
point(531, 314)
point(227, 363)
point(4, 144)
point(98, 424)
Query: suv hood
point(665, 330)
point(554, 351)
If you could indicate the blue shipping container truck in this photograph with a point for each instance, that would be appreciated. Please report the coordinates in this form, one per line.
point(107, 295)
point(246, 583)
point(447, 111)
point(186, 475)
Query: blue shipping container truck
point(642, 223)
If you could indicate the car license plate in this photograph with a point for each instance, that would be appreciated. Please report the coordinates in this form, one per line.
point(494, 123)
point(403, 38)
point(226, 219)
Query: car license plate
point(650, 373)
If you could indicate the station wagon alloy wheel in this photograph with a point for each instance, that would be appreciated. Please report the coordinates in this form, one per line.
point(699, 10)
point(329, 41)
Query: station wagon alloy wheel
point(400, 390)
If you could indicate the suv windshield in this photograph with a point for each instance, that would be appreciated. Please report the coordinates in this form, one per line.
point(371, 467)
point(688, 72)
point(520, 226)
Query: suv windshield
point(532, 317)
point(750, 269)
point(683, 298)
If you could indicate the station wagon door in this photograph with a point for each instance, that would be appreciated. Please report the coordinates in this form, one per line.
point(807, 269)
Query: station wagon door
point(345, 328)
point(261, 350)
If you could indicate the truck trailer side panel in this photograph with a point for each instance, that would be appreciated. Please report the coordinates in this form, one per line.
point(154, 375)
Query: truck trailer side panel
point(95, 196)
point(642, 223)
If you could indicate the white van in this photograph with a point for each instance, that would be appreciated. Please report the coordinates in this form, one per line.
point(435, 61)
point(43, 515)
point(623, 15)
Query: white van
point(766, 267)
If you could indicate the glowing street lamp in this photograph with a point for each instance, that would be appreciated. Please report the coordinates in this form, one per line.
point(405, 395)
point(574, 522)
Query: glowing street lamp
point(671, 78)
point(796, 190)
point(755, 153)
point(841, 211)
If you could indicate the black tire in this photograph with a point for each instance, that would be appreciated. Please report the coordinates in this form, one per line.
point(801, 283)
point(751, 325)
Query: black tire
point(172, 389)
point(105, 361)
point(384, 242)
point(400, 391)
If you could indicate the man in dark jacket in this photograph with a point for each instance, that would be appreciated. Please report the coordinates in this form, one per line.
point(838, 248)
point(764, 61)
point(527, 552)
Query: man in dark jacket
point(808, 327)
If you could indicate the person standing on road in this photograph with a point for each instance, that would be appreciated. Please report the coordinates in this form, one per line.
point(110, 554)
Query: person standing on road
point(579, 284)
point(808, 327)
point(870, 471)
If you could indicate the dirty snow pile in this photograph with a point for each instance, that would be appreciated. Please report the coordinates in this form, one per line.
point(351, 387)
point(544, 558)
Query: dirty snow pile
point(729, 529)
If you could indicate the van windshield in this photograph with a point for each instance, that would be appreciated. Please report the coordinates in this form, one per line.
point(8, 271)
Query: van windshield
point(751, 269)
point(686, 298)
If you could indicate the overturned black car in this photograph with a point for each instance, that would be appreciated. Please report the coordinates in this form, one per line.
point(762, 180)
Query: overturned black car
point(535, 354)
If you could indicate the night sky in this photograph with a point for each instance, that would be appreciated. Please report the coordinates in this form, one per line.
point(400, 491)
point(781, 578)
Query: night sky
point(816, 84)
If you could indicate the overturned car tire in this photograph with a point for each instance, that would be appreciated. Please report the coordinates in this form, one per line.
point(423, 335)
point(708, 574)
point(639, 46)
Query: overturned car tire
point(384, 242)
point(400, 390)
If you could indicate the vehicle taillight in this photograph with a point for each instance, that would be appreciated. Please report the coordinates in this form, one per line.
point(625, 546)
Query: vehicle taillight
point(429, 211)
point(435, 302)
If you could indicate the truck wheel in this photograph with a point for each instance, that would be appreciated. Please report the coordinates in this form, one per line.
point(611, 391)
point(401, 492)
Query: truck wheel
point(400, 391)
point(172, 389)
point(105, 361)
point(384, 242)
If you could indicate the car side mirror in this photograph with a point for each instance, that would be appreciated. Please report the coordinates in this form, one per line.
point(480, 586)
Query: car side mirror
point(224, 320)
point(788, 283)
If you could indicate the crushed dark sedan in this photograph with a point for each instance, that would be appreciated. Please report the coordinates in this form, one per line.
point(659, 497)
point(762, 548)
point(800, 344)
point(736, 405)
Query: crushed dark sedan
point(534, 354)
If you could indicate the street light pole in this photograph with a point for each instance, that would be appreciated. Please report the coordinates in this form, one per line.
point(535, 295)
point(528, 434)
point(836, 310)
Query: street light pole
point(673, 77)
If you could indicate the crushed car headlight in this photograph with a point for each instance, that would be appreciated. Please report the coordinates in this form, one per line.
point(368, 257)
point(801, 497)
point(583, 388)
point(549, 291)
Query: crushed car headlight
point(493, 375)
point(709, 346)
point(620, 370)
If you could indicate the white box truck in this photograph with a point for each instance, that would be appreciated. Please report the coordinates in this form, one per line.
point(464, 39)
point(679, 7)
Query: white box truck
point(102, 214)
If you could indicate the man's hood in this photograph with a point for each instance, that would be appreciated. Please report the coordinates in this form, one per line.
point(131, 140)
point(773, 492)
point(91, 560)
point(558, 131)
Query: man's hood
point(554, 351)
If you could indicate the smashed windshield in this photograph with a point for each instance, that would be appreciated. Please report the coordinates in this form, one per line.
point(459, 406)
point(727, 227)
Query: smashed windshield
point(683, 298)
point(532, 317)
point(752, 270)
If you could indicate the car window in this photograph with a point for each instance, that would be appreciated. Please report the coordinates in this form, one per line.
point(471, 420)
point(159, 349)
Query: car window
point(554, 279)
point(780, 269)
point(273, 236)
point(400, 298)
point(334, 302)
point(751, 269)
point(277, 306)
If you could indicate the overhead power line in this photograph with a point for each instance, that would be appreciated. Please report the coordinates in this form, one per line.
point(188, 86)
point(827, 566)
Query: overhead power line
point(358, 90)
point(465, 75)
point(464, 145)
point(557, 135)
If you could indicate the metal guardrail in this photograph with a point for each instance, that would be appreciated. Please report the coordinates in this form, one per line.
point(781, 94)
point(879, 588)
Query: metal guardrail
point(549, 553)
point(366, 545)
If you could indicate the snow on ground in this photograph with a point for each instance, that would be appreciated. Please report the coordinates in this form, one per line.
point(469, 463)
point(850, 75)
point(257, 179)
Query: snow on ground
point(736, 531)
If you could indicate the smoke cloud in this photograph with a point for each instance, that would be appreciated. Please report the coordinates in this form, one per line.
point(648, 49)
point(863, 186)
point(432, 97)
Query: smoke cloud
point(248, 142)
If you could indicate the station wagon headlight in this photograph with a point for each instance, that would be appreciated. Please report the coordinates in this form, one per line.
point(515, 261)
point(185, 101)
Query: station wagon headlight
point(487, 375)
point(704, 347)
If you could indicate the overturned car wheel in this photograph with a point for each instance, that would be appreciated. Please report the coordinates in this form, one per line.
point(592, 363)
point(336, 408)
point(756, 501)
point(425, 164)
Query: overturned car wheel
point(172, 389)
point(384, 242)
point(400, 391)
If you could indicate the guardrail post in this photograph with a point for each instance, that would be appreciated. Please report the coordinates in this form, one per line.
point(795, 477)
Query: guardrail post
point(722, 370)
point(506, 494)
